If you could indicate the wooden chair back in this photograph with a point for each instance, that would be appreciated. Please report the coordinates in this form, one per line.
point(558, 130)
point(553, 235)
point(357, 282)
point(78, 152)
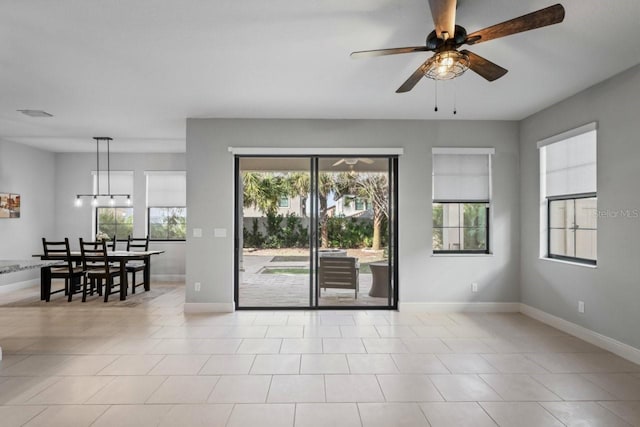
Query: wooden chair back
point(113, 243)
point(138, 244)
point(59, 251)
point(94, 256)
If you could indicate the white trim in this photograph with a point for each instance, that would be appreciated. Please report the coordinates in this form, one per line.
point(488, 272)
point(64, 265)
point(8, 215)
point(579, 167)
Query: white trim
point(448, 307)
point(614, 346)
point(568, 134)
point(561, 261)
point(209, 307)
point(19, 285)
point(310, 151)
point(463, 150)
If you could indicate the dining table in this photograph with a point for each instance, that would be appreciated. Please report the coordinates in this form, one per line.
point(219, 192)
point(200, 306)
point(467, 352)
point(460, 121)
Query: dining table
point(119, 257)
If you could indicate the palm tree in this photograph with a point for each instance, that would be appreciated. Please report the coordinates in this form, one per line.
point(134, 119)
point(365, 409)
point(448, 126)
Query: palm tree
point(263, 191)
point(375, 188)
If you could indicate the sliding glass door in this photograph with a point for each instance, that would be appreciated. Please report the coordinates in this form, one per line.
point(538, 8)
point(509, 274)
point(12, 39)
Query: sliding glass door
point(316, 232)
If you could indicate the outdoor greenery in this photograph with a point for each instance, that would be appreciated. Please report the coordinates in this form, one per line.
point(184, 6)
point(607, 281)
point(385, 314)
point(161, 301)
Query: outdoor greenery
point(469, 219)
point(115, 222)
point(264, 191)
point(288, 232)
point(168, 223)
point(290, 235)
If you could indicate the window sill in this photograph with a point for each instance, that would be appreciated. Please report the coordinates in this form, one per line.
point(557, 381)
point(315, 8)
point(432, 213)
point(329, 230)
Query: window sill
point(561, 261)
point(460, 255)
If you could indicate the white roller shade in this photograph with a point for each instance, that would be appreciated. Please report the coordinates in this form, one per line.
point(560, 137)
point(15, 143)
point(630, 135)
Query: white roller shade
point(166, 189)
point(570, 165)
point(121, 182)
point(461, 177)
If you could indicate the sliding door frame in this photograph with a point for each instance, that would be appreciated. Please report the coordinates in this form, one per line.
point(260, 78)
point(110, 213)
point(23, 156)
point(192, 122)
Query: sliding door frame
point(314, 291)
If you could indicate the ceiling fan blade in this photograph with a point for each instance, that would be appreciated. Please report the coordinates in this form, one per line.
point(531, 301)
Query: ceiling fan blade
point(339, 162)
point(365, 160)
point(413, 79)
point(484, 67)
point(392, 51)
point(444, 16)
point(541, 18)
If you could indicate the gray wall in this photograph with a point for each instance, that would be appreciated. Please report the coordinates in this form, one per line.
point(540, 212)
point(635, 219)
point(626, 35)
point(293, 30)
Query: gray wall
point(73, 175)
point(422, 277)
point(31, 173)
point(611, 291)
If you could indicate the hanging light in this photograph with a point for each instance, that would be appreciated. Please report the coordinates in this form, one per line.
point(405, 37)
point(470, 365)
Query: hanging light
point(97, 194)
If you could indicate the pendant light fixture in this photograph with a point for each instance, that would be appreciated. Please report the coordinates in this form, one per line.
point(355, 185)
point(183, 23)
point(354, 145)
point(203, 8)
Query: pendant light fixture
point(96, 196)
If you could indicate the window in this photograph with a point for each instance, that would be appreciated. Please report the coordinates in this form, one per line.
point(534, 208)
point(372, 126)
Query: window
point(360, 204)
point(115, 221)
point(461, 200)
point(573, 229)
point(460, 227)
point(283, 202)
point(166, 205)
point(568, 195)
point(167, 223)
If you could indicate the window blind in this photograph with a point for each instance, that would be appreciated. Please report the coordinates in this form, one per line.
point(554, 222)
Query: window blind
point(166, 189)
point(570, 165)
point(461, 177)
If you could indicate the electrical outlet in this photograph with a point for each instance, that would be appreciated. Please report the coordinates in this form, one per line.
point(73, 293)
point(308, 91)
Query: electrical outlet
point(580, 306)
point(474, 287)
point(197, 286)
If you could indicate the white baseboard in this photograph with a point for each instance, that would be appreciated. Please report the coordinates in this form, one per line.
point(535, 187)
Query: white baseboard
point(449, 307)
point(209, 307)
point(167, 277)
point(19, 285)
point(614, 346)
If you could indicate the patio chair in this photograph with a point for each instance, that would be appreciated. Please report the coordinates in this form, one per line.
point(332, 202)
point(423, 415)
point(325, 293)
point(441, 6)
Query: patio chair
point(338, 273)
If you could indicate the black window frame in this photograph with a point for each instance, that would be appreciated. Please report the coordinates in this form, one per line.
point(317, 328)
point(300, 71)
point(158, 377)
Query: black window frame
point(572, 197)
point(97, 222)
point(487, 250)
point(149, 223)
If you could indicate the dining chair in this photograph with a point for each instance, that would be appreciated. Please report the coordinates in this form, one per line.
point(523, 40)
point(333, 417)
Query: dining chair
point(97, 267)
point(66, 271)
point(140, 244)
point(113, 243)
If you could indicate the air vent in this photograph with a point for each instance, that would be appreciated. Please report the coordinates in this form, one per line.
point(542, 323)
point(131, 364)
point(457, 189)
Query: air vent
point(35, 113)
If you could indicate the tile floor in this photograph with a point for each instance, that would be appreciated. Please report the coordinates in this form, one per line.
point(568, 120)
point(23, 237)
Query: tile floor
point(151, 365)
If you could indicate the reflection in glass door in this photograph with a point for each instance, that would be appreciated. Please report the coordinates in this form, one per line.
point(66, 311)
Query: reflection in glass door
point(316, 232)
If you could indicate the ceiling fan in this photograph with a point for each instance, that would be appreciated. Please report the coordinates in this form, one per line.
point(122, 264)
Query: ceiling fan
point(448, 62)
point(351, 161)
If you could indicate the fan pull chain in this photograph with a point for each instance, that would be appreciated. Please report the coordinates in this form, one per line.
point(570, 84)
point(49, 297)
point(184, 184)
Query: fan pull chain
point(455, 97)
point(436, 107)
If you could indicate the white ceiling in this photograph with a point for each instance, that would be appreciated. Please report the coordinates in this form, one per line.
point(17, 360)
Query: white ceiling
point(135, 70)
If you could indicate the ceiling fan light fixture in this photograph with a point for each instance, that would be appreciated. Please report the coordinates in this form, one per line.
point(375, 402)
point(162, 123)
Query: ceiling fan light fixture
point(350, 162)
point(446, 65)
